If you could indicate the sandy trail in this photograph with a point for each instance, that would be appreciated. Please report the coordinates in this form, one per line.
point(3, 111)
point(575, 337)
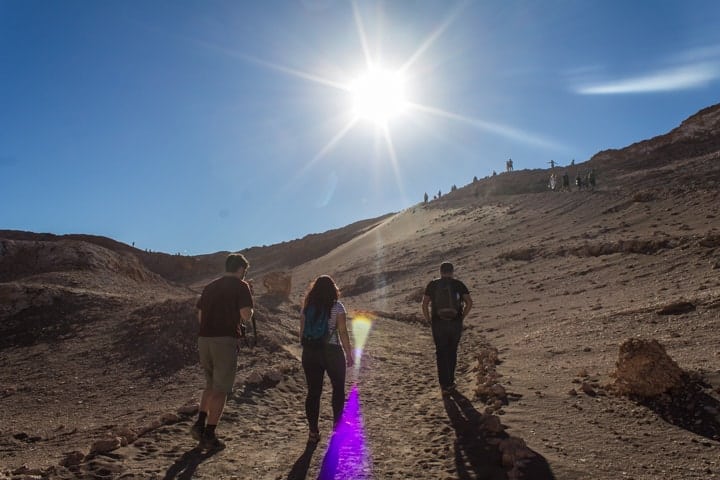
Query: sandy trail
point(402, 427)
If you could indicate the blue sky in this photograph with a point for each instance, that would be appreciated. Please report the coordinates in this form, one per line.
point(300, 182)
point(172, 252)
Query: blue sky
point(198, 126)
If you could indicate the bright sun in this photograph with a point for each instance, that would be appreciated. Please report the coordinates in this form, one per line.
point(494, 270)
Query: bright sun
point(379, 96)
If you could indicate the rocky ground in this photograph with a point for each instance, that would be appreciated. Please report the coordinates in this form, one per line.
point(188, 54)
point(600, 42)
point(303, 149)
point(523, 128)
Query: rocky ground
point(592, 350)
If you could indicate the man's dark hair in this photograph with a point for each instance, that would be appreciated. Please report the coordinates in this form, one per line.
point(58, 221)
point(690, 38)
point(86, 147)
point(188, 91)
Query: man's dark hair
point(236, 261)
point(446, 267)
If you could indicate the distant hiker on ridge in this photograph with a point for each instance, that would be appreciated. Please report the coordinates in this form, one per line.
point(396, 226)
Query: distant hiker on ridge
point(326, 348)
point(591, 179)
point(224, 305)
point(566, 182)
point(425, 198)
point(509, 165)
point(445, 305)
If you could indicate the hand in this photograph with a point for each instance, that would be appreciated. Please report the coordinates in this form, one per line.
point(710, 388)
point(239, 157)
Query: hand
point(349, 360)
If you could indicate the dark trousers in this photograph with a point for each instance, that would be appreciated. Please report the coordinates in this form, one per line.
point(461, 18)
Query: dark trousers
point(446, 334)
point(315, 362)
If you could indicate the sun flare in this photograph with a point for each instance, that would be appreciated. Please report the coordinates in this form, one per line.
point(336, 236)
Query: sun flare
point(378, 96)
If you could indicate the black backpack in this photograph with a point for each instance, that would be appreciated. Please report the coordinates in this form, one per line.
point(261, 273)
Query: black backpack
point(446, 300)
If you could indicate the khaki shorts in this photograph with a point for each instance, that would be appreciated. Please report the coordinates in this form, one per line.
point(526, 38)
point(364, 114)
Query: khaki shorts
point(218, 359)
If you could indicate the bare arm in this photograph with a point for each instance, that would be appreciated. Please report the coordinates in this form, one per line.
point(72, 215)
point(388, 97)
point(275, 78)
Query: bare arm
point(426, 308)
point(302, 326)
point(345, 339)
point(246, 313)
point(468, 303)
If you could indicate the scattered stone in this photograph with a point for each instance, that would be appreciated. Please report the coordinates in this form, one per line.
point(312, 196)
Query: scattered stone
point(105, 445)
point(72, 459)
point(154, 425)
point(254, 379)
point(676, 308)
point(7, 391)
point(514, 451)
point(25, 470)
point(492, 424)
point(274, 376)
point(588, 389)
point(572, 392)
point(127, 435)
point(416, 296)
point(498, 390)
point(188, 409)
point(169, 418)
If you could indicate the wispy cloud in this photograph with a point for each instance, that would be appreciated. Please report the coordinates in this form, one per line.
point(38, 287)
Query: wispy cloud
point(493, 127)
point(678, 78)
point(692, 68)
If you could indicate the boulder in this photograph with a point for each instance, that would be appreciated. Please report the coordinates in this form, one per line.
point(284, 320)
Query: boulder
point(278, 284)
point(644, 369)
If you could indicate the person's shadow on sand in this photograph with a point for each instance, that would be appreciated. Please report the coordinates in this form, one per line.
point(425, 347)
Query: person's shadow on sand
point(185, 466)
point(302, 464)
point(477, 445)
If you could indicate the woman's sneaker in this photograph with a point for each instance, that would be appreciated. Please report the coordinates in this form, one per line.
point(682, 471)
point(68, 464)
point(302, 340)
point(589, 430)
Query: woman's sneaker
point(450, 389)
point(196, 431)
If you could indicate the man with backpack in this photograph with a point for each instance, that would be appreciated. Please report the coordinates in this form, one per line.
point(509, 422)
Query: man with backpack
point(445, 305)
point(224, 305)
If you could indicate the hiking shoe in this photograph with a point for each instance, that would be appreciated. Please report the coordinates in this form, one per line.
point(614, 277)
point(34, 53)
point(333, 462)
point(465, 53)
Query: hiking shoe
point(211, 443)
point(196, 431)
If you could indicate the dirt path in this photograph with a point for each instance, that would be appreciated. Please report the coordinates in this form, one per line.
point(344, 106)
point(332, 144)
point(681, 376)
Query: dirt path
point(401, 427)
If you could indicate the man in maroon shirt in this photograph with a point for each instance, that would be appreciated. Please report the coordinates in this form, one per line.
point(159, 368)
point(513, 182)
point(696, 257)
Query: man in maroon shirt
point(224, 305)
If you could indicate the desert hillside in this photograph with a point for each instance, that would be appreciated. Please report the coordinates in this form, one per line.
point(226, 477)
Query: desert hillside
point(97, 339)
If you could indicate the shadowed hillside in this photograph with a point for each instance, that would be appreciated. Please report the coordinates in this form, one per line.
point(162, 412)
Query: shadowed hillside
point(188, 269)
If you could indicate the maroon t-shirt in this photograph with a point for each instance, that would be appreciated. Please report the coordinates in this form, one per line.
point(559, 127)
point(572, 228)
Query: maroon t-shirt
point(220, 304)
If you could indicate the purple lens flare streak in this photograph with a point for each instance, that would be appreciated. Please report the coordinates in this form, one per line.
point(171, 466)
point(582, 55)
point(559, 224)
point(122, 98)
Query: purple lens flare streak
point(347, 455)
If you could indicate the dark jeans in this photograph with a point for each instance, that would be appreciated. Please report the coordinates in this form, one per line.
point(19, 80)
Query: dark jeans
point(446, 335)
point(315, 362)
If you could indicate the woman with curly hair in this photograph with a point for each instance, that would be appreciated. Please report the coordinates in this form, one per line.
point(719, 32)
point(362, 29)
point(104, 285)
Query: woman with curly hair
point(326, 348)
